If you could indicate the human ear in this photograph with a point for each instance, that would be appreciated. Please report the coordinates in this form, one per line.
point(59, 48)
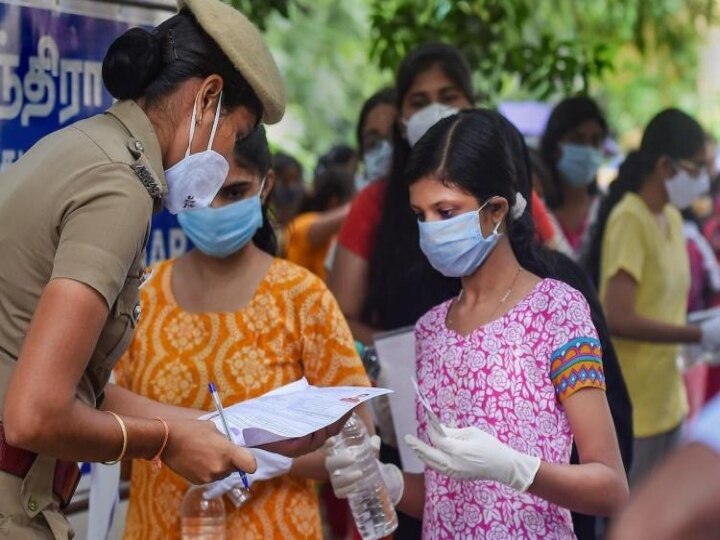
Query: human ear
point(499, 209)
point(269, 185)
point(208, 95)
point(665, 167)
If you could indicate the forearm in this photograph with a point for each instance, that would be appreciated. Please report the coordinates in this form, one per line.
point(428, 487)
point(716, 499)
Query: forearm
point(311, 466)
point(639, 328)
point(412, 502)
point(124, 402)
point(361, 331)
point(348, 281)
point(326, 226)
point(590, 488)
point(81, 433)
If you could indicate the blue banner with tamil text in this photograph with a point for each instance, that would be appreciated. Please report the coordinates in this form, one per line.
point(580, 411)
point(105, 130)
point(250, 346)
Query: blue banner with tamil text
point(51, 76)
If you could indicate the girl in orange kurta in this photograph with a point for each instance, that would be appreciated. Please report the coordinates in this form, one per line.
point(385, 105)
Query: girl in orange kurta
point(250, 323)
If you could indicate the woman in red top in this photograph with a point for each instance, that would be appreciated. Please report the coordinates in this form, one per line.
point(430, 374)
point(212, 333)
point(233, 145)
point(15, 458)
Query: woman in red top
point(430, 77)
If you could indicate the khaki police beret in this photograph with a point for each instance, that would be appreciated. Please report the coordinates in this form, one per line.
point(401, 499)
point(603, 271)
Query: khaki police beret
point(245, 47)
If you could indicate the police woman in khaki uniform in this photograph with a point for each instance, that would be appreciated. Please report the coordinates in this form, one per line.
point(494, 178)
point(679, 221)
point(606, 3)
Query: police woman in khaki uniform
point(74, 221)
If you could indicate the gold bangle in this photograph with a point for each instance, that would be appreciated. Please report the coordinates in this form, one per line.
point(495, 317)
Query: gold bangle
point(125, 440)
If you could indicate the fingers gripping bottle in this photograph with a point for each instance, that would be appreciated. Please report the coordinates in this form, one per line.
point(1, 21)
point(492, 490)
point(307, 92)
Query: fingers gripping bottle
point(370, 504)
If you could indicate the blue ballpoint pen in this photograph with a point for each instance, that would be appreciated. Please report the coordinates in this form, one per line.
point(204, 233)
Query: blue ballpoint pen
point(226, 428)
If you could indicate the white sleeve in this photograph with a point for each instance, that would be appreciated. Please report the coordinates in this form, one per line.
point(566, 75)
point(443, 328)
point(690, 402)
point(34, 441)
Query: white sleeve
point(706, 429)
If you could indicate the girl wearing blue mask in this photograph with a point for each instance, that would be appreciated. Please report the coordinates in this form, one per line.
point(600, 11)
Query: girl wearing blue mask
point(511, 368)
point(230, 312)
point(379, 275)
point(572, 151)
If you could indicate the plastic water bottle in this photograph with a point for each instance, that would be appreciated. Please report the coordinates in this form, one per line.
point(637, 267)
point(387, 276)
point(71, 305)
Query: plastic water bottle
point(370, 504)
point(200, 518)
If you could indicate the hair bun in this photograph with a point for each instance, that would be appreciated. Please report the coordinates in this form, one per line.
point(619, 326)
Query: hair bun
point(131, 63)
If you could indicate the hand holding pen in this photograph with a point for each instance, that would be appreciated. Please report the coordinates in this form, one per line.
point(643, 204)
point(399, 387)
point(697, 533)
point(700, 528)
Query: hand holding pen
point(239, 496)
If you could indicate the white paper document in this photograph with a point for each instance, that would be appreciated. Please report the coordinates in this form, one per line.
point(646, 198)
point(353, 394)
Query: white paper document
point(294, 410)
point(396, 351)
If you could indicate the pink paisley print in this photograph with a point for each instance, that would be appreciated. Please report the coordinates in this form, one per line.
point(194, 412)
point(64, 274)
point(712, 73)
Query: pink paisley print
point(498, 379)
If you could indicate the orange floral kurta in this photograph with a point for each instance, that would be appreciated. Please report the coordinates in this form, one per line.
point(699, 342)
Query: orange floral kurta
point(291, 328)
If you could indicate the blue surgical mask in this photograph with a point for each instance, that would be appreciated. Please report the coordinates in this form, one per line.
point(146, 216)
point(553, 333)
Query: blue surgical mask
point(579, 164)
point(220, 232)
point(456, 247)
point(377, 163)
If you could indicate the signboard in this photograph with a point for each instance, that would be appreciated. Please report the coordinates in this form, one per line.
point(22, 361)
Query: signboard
point(51, 54)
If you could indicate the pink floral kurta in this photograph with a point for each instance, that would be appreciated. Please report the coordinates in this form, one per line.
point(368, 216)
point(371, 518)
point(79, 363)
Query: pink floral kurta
point(508, 378)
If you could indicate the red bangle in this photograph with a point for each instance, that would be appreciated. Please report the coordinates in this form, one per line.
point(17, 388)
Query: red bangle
point(156, 460)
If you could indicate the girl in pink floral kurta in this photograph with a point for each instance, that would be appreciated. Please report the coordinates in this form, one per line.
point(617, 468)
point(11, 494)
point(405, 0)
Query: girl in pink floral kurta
point(508, 378)
point(511, 366)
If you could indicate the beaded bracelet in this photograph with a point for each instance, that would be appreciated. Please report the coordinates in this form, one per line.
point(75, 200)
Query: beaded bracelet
point(156, 460)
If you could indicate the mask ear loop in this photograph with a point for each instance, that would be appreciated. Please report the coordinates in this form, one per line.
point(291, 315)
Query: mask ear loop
point(192, 126)
point(497, 225)
point(215, 123)
point(262, 186)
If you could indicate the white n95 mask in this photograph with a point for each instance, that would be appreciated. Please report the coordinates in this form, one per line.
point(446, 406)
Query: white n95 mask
point(194, 181)
point(683, 189)
point(420, 122)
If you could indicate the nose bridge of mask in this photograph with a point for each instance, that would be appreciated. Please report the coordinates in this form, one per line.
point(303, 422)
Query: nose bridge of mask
point(216, 121)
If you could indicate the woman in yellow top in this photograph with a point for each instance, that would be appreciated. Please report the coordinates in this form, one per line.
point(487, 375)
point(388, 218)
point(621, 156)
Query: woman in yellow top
point(230, 312)
point(641, 257)
point(310, 235)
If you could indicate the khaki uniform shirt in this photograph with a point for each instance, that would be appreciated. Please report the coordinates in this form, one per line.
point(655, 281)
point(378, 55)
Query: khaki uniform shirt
point(77, 205)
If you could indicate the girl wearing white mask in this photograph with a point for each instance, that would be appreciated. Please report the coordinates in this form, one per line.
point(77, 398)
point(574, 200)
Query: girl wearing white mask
point(374, 136)
point(510, 368)
point(640, 260)
point(230, 311)
point(432, 80)
point(572, 151)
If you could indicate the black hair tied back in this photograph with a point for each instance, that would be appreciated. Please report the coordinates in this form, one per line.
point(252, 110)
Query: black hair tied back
point(131, 63)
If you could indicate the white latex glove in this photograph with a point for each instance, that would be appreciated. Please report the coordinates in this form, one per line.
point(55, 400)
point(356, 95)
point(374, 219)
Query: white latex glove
point(471, 454)
point(269, 466)
point(344, 476)
point(710, 337)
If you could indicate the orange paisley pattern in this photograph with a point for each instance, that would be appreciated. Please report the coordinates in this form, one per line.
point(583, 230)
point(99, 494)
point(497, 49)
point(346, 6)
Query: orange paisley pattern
point(291, 328)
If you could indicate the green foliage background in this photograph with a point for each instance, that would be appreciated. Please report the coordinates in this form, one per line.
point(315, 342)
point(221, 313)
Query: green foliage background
point(635, 56)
